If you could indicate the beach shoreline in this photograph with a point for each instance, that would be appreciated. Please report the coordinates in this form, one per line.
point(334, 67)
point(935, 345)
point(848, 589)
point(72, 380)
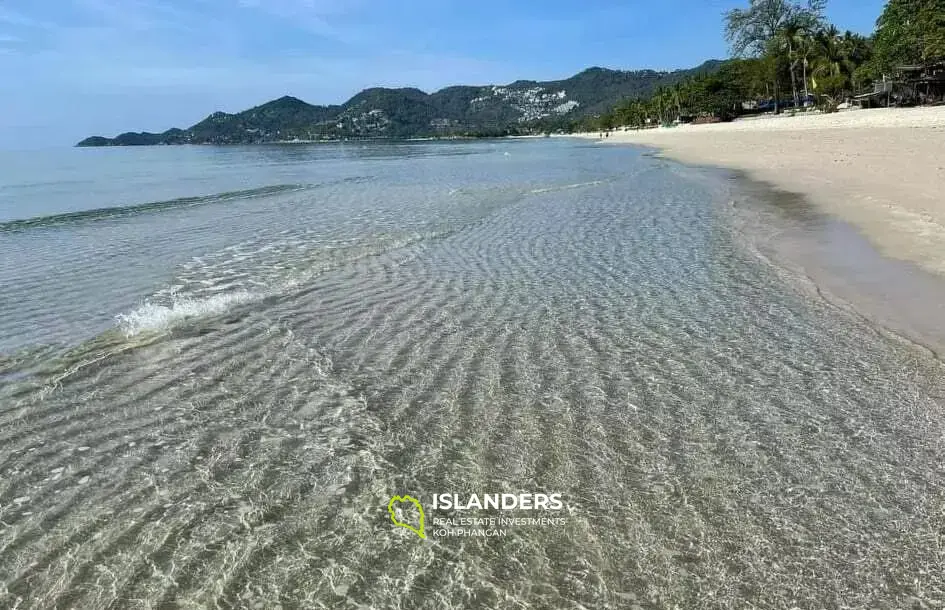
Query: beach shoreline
point(870, 181)
point(881, 170)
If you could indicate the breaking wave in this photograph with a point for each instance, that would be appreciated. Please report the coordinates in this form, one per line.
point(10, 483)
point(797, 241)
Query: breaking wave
point(154, 317)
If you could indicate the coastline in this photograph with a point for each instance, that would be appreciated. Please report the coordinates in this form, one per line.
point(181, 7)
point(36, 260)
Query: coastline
point(881, 170)
point(855, 198)
point(833, 260)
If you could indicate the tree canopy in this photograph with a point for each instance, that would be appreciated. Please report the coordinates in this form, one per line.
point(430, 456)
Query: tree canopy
point(752, 30)
point(787, 45)
point(908, 32)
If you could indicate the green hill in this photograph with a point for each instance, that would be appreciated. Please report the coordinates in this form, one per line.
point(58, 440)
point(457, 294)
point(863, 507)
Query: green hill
point(519, 107)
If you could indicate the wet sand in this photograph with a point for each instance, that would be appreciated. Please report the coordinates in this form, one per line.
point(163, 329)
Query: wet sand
point(839, 264)
point(881, 170)
point(861, 191)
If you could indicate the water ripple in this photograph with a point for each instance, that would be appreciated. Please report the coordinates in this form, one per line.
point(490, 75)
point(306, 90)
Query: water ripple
point(720, 438)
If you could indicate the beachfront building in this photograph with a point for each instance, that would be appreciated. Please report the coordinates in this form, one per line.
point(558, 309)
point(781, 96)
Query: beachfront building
point(924, 83)
point(911, 85)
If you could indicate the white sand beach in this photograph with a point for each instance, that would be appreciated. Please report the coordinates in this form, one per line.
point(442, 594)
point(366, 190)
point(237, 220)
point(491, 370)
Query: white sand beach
point(883, 170)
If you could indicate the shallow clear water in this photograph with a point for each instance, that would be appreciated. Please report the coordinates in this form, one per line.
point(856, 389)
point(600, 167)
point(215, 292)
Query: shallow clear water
point(211, 388)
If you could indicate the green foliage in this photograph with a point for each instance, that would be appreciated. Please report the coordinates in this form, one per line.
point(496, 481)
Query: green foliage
point(95, 141)
point(752, 30)
point(461, 111)
point(790, 49)
point(718, 93)
point(779, 46)
point(774, 27)
point(837, 65)
point(909, 32)
point(126, 139)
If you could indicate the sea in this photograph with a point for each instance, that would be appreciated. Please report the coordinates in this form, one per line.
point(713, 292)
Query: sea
point(534, 373)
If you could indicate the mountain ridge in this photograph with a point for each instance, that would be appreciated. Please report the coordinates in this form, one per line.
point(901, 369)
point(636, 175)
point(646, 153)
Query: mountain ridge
point(523, 106)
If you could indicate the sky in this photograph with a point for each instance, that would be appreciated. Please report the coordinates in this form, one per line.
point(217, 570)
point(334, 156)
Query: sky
point(73, 68)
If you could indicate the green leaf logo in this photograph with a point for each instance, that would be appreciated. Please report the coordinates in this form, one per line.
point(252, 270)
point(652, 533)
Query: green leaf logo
point(393, 515)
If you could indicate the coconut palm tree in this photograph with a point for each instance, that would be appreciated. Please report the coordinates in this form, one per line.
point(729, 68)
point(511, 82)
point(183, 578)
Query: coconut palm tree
point(790, 37)
point(806, 52)
point(831, 72)
point(677, 87)
point(769, 27)
point(856, 51)
point(837, 61)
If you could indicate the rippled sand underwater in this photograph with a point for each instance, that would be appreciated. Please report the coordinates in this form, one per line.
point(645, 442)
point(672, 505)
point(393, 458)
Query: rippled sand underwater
point(720, 438)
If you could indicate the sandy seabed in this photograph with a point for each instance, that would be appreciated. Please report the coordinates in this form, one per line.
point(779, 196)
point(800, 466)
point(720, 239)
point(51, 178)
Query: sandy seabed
point(880, 173)
point(882, 170)
point(476, 318)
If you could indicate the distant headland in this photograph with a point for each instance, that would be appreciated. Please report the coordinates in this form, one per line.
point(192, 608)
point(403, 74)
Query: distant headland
point(520, 108)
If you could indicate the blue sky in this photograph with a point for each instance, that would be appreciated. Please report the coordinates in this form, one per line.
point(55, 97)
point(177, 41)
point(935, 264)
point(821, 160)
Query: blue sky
point(71, 68)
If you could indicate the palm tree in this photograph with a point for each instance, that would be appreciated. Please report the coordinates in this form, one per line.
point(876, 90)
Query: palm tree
point(855, 50)
point(796, 36)
point(659, 103)
point(769, 26)
point(676, 88)
point(790, 37)
point(830, 66)
point(806, 51)
point(837, 61)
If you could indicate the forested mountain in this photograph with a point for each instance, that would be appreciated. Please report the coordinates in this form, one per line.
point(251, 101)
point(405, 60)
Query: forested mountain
point(520, 107)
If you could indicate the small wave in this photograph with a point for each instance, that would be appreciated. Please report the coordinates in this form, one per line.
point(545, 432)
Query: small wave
point(168, 308)
point(153, 317)
point(154, 206)
point(565, 187)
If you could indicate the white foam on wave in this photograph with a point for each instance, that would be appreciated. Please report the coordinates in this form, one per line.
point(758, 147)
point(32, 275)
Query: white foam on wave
point(154, 317)
point(212, 296)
